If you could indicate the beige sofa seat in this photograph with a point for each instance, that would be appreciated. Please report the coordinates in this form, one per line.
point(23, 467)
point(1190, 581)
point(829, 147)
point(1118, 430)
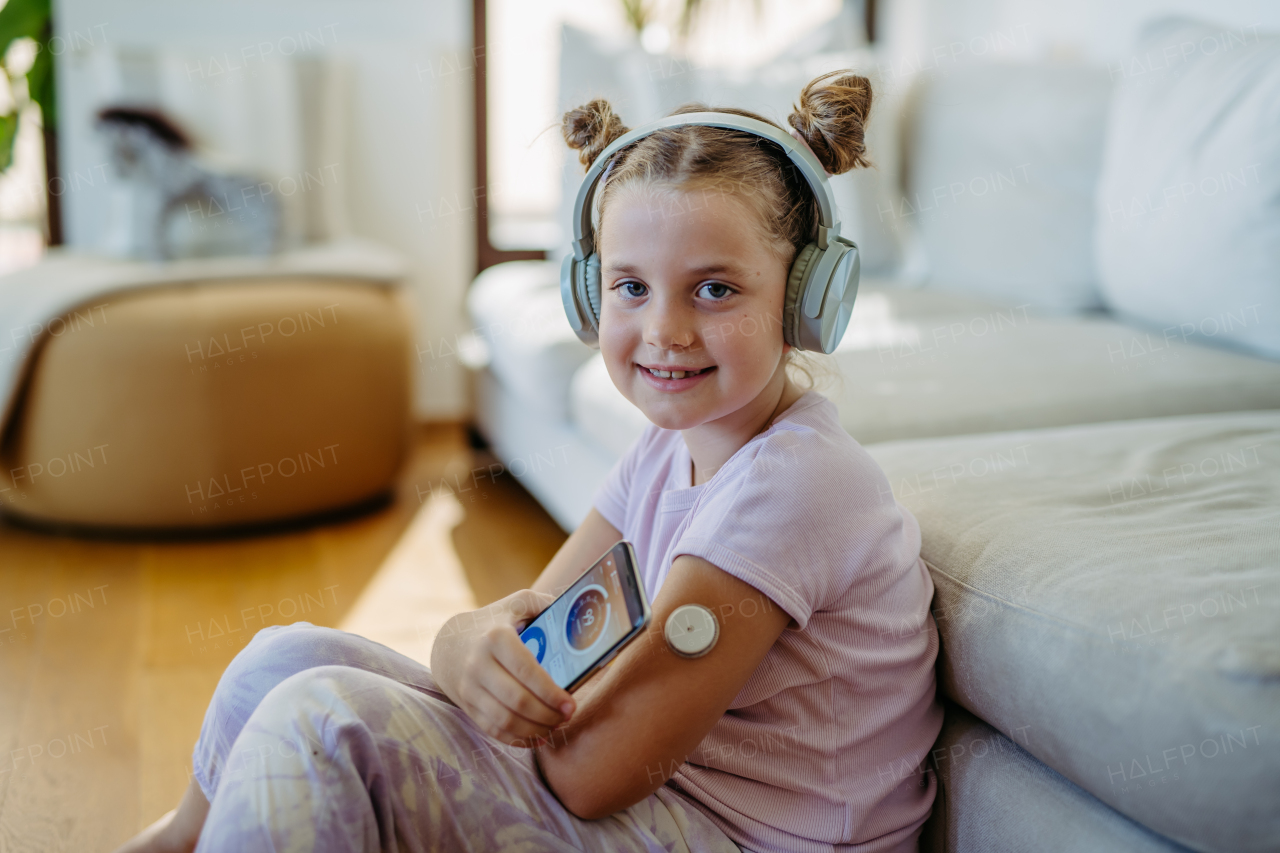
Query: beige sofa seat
point(1108, 596)
point(212, 404)
point(995, 797)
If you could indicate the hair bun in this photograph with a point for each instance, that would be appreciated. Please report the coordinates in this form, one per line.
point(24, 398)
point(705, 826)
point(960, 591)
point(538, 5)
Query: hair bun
point(832, 118)
point(590, 129)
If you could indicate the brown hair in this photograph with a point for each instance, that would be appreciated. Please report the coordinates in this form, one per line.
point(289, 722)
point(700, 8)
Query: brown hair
point(831, 117)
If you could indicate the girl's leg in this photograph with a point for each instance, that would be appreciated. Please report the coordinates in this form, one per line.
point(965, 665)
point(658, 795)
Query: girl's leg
point(272, 655)
point(336, 758)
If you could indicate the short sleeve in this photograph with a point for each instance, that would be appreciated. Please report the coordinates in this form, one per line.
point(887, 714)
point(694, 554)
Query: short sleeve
point(800, 521)
point(612, 497)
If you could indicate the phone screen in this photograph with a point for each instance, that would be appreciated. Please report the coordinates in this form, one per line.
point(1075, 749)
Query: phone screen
point(592, 620)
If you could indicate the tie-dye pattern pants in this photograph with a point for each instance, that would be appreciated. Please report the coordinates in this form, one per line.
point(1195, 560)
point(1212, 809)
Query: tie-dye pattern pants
point(317, 739)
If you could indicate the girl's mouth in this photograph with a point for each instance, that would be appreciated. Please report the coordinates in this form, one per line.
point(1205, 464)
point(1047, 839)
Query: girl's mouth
point(674, 380)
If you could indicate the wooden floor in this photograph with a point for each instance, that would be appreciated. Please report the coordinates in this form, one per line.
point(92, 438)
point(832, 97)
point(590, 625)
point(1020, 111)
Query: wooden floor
point(110, 650)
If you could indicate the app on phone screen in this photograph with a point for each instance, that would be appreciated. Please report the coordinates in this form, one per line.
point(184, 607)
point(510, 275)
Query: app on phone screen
point(535, 639)
point(588, 616)
point(581, 625)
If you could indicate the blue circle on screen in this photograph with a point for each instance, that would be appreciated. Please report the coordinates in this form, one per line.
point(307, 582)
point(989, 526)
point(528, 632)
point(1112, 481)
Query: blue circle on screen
point(535, 641)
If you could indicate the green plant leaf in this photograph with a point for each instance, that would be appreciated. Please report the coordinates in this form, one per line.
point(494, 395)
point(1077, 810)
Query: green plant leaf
point(8, 130)
point(41, 89)
point(691, 8)
point(22, 19)
point(636, 13)
point(29, 19)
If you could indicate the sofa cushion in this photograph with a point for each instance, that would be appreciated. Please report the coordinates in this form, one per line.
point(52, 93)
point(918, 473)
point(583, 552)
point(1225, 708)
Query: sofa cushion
point(882, 316)
point(921, 363)
point(1189, 204)
point(1116, 587)
point(516, 309)
point(995, 797)
point(600, 411)
point(548, 458)
point(1002, 165)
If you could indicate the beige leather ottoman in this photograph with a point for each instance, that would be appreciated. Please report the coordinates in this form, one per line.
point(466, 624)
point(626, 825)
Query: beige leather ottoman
point(212, 404)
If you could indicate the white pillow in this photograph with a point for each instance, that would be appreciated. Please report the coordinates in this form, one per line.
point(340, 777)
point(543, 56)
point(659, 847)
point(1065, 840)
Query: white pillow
point(1002, 164)
point(1188, 236)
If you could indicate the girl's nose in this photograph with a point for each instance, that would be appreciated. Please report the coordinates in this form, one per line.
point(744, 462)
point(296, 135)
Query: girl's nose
point(669, 327)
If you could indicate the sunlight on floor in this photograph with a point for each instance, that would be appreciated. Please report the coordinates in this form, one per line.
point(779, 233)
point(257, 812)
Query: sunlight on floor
point(418, 587)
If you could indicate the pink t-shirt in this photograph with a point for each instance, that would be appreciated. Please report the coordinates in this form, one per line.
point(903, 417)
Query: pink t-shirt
point(824, 747)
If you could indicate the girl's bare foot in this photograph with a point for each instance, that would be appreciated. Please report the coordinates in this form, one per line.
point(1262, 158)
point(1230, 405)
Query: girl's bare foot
point(176, 831)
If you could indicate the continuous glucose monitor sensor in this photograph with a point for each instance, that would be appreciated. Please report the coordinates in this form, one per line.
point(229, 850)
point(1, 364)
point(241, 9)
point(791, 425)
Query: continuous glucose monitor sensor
point(691, 630)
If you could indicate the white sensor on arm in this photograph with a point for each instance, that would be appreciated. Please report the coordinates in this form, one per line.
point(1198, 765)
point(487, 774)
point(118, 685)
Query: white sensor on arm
point(691, 630)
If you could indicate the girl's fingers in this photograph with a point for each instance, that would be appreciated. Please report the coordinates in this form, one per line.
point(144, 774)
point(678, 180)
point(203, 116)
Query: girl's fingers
point(508, 726)
point(516, 697)
point(503, 689)
point(517, 660)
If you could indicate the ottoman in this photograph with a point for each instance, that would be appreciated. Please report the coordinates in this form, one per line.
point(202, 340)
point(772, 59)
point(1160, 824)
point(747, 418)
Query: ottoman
point(209, 404)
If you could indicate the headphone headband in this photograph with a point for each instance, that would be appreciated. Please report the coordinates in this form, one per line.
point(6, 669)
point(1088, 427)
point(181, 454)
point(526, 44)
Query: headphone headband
point(800, 155)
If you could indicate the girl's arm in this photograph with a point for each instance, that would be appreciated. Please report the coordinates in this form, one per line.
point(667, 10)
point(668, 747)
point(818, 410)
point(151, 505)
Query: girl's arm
point(638, 721)
point(593, 537)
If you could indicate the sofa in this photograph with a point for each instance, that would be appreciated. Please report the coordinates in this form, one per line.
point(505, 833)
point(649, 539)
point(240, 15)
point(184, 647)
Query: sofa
point(1065, 355)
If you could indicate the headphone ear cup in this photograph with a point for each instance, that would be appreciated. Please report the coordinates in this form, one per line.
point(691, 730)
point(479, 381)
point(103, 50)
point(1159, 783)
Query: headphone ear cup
point(571, 295)
point(797, 284)
point(584, 286)
point(591, 275)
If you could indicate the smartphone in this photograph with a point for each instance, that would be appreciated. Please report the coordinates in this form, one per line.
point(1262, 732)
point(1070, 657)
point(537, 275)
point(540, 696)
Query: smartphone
point(601, 612)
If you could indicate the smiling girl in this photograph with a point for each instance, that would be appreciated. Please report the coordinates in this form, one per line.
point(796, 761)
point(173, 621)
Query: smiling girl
point(806, 726)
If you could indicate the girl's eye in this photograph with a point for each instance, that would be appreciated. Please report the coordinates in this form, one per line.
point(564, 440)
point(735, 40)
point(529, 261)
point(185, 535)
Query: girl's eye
point(634, 290)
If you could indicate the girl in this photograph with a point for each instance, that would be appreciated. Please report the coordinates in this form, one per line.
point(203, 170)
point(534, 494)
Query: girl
point(805, 728)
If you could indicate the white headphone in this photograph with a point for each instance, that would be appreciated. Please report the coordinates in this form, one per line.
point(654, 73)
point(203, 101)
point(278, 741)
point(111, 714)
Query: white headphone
point(823, 280)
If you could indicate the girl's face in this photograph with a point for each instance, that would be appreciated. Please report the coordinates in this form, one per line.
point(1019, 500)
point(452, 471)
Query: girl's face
point(689, 282)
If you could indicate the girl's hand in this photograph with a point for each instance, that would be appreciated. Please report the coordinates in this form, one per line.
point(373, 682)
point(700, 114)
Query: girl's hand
point(480, 663)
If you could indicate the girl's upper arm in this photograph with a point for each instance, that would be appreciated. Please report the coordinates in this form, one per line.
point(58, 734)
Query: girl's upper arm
point(639, 719)
point(584, 546)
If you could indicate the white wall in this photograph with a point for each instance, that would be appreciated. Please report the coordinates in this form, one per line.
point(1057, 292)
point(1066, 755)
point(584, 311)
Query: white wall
point(408, 163)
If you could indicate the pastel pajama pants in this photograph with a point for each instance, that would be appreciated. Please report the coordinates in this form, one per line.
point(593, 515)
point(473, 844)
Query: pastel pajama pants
point(317, 739)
